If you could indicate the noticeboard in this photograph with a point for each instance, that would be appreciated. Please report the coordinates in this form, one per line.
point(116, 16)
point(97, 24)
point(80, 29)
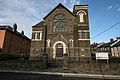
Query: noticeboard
point(102, 55)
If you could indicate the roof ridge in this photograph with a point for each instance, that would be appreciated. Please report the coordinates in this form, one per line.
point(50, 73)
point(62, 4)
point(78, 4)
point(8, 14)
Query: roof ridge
point(39, 24)
point(115, 43)
point(60, 4)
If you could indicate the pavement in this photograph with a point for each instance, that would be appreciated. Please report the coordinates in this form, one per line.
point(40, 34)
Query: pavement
point(97, 76)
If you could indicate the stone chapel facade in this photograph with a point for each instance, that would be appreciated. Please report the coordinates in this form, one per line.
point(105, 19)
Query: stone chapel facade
point(62, 32)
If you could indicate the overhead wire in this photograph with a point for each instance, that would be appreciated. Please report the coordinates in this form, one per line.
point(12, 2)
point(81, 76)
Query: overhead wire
point(105, 30)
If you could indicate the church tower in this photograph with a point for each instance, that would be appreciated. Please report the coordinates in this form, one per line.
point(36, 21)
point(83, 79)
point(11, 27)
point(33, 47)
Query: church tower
point(81, 30)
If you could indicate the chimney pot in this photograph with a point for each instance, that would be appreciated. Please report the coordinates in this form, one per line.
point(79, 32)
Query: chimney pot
point(111, 40)
point(14, 27)
point(22, 32)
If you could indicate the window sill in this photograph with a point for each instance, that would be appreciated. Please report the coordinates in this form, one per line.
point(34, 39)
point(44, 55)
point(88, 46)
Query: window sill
point(36, 40)
point(84, 39)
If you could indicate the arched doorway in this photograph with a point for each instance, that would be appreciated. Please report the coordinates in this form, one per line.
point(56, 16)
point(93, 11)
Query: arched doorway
point(59, 50)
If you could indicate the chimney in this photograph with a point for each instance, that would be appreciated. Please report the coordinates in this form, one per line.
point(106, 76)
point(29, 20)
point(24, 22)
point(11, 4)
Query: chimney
point(22, 32)
point(14, 27)
point(111, 40)
point(117, 38)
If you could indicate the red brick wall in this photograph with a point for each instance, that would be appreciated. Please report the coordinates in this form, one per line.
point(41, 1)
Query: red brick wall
point(6, 44)
point(2, 34)
point(15, 44)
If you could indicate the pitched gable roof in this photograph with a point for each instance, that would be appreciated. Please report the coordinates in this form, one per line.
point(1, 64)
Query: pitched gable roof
point(117, 43)
point(59, 5)
point(9, 28)
point(60, 36)
point(40, 24)
point(4, 27)
point(107, 44)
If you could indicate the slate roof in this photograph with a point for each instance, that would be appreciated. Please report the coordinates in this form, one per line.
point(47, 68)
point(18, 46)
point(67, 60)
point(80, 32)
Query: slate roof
point(94, 45)
point(2, 27)
point(40, 24)
point(107, 44)
point(59, 5)
point(117, 44)
point(9, 28)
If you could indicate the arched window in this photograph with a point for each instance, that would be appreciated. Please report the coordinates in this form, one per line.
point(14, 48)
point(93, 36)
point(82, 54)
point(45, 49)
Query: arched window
point(81, 14)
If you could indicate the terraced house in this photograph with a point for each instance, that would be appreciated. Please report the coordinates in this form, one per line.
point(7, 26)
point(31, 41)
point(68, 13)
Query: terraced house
point(62, 32)
point(13, 44)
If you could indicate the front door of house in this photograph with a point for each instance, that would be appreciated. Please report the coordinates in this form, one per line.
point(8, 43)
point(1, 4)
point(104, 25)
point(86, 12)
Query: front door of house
point(59, 50)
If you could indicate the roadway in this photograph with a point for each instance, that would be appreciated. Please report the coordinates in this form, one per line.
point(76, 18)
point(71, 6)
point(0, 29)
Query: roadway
point(33, 75)
point(30, 76)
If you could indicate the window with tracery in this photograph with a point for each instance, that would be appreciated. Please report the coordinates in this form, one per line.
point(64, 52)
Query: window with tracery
point(59, 23)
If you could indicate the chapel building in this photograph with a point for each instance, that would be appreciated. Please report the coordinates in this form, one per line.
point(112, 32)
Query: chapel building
point(62, 32)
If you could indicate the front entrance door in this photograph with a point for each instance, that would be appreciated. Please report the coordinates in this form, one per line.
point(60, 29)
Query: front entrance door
point(59, 50)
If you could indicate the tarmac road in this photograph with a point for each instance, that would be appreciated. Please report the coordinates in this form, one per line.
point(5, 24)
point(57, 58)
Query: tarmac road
point(30, 76)
point(35, 75)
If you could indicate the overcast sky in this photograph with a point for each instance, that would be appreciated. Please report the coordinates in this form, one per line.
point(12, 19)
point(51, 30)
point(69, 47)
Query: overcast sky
point(26, 13)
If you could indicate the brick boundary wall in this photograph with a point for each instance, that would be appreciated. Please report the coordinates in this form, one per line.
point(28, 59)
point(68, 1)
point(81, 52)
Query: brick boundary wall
point(29, 65)
point(110, 68)
point(95, 68)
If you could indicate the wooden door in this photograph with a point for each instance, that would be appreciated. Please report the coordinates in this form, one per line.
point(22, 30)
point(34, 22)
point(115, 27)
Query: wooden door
point(59, 50)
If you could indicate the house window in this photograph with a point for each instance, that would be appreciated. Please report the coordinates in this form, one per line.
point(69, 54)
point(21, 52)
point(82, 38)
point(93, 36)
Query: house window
point(118, 54)
point(100, 49)
point(113, 54)
point(105, 49)
point(117, 48)
point(37, 35)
